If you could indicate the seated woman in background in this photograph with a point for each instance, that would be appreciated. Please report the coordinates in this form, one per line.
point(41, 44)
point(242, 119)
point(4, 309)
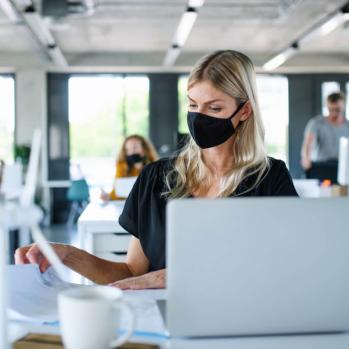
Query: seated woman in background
point(225, 157)
point(135, 153)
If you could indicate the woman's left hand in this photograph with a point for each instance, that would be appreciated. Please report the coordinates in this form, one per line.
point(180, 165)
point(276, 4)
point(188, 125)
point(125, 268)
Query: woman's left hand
point(154, 279)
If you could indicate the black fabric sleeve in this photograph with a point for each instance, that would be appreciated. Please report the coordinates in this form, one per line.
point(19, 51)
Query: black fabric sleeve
point(282, 184)
point(129, 216)
point(132, 213)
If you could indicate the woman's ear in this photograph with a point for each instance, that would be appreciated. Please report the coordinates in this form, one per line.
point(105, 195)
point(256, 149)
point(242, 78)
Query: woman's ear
point(246, 111)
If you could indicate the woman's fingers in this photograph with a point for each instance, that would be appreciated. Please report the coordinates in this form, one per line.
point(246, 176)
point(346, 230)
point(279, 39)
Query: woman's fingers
point(155, 279)
point(20, 255)
point(134, 283)
point(31, 255)
point(34, 255)
point(44, 265)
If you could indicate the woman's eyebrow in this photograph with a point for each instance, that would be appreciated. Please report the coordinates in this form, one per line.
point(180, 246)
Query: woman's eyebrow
point(208, 102)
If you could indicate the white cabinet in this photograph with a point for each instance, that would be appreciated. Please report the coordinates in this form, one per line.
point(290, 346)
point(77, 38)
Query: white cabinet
point(100, 233)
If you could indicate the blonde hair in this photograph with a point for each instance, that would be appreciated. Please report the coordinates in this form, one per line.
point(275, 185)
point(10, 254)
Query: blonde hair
point(149, 150)
point(232, 73)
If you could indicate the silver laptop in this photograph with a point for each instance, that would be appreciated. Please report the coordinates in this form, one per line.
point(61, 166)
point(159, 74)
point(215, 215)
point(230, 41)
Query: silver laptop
point(257, 266)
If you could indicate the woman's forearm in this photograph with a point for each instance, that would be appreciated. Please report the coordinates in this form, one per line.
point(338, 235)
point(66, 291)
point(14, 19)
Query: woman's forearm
point(96, 269)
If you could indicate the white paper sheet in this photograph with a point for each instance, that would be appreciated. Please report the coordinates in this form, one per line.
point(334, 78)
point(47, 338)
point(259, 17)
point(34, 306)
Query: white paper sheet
point(33, 295)
point(148, 317)
point(33, 298)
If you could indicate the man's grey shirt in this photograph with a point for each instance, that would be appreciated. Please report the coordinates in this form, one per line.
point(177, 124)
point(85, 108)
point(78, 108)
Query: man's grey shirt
point(326, 144)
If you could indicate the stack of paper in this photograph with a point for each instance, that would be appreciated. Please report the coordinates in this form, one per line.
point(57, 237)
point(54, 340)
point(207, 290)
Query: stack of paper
point(32, 294)
point(33, 298)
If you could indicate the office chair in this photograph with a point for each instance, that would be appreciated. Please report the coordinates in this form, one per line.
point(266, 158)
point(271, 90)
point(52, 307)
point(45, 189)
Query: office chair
point(78, 194)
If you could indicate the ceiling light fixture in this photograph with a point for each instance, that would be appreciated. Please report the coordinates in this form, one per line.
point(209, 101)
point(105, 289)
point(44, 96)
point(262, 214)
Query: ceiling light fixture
point(323, 28)
point(281, 58)
point(196, 3)
point(327, 26)
point(171, 56)
point(37, 25)
point(183, 30)
point(57, 56)
point(185, 26)
point(40, 31)
point(10, 10)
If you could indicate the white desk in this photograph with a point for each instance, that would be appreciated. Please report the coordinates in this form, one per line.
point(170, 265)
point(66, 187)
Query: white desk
point(325, 341)
point(100, 233)
point(11, 216)
point(16, 216)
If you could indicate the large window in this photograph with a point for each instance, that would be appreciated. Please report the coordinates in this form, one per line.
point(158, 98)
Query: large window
point(273, 100)
point(183, 104)
point(103, 109)
point(7, 117)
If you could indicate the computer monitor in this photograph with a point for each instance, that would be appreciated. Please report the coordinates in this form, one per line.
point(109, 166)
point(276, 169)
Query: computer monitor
point(343, 163)
point(322, 170)
point(124, 185)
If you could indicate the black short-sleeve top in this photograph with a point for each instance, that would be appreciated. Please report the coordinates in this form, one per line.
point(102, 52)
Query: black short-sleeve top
point(144, 212)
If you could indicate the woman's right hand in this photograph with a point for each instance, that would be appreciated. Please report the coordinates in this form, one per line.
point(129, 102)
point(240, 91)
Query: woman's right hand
point(104, 196)
point(31, 254)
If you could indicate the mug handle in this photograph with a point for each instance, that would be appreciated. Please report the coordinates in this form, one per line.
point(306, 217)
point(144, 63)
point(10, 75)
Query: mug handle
point(126, 336)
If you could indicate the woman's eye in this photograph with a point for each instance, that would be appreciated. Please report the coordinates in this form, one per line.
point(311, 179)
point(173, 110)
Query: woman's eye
point(192, 106)
point(215, 109)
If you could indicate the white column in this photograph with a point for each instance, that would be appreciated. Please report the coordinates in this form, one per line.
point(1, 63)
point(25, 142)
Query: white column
point(3, 290)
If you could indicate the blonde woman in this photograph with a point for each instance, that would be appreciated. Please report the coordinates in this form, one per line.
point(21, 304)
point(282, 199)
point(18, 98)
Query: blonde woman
point(135, 153)
point(225, 157)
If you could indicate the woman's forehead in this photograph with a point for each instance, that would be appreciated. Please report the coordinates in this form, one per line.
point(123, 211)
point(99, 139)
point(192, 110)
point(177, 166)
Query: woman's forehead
point(133, 142)
point(206, 91)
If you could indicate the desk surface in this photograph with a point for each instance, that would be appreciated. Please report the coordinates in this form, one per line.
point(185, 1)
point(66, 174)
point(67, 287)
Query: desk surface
point(101, 213)
point(321, 341)
point(153, 332)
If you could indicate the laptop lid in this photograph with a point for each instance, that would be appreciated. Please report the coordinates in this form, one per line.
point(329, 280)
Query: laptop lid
point(257, 266)
point(124, 185)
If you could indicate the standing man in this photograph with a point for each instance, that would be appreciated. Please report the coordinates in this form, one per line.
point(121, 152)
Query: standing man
point(321, 136)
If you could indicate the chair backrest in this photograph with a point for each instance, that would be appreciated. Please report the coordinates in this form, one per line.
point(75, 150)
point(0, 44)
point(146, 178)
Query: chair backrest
point(78, 190)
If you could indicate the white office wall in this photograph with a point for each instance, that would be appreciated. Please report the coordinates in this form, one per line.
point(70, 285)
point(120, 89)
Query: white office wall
point(31, 109)
point(30, 103)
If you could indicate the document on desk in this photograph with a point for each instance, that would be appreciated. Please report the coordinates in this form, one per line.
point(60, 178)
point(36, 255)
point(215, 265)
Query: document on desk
point(148, 318)
point(32, 294)
point(33, 298)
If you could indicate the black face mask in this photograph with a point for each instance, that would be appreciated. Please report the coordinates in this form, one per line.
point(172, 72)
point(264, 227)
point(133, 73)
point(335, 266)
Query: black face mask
point(134, 159)
point(209, 131)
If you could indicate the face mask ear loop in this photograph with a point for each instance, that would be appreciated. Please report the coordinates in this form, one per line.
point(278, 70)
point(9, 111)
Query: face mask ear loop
point(237, 110)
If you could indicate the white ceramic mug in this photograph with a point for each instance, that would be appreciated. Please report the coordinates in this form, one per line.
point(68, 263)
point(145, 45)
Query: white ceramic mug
point(90, 317)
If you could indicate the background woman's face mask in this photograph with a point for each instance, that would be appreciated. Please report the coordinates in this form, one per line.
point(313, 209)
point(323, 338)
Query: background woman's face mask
point(209, 131)
point(134, 159)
